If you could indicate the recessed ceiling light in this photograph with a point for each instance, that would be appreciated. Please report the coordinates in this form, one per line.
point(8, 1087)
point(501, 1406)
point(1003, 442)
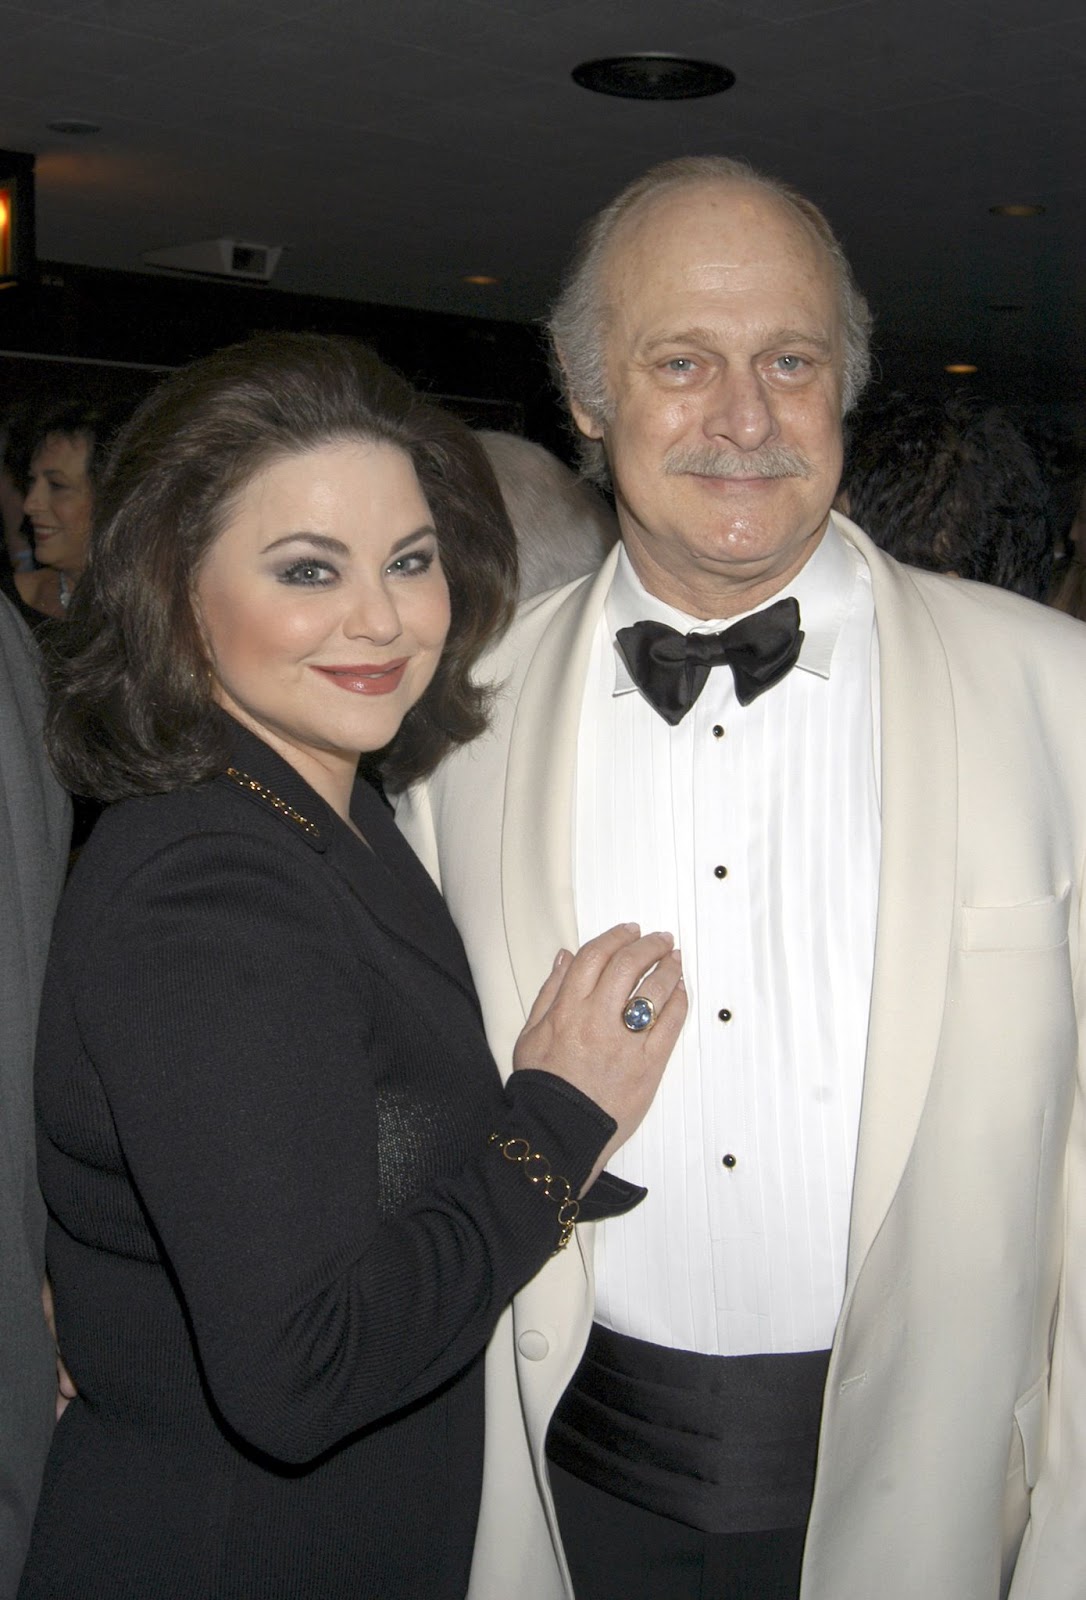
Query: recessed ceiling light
point(960, 368)
point(73, 125)
point(1017, 210)
point(653, 77)
point(484, 279)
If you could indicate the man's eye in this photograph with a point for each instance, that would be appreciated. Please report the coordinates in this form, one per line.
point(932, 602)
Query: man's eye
point(790, 363)
point(680, 364)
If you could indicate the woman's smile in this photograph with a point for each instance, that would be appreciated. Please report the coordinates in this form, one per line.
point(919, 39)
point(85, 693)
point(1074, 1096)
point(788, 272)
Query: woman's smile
point(366, 679)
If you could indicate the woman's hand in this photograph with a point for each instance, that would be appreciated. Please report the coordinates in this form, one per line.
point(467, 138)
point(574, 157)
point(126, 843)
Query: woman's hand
point(576, 1030)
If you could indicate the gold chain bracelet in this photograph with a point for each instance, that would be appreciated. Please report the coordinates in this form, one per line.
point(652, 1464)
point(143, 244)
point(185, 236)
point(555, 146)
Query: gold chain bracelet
point(537, 1171)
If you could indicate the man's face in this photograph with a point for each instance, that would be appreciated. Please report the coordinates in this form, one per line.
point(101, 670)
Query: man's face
point(724, 356)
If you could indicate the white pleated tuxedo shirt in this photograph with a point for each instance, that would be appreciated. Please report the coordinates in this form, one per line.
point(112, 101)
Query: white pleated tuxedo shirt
point(753, 834)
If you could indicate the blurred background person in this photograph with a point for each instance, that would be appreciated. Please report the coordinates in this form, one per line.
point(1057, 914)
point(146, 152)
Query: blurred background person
point(16, 551)
point(564, 527)
point(59, 454)
point(64, 460)
point(33, 853)
point(951, 486)
point(17, 425)
point(1069, 589)
point(1070, 596)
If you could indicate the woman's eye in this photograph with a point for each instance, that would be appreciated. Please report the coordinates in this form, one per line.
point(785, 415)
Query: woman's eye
point(412, 564)
point(313, 573)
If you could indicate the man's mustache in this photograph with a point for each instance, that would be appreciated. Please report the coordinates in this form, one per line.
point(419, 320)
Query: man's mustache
point(771, 461)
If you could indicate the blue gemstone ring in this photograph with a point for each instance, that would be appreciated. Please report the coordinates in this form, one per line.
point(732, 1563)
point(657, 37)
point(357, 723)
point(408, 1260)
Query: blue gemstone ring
point(640, 1013)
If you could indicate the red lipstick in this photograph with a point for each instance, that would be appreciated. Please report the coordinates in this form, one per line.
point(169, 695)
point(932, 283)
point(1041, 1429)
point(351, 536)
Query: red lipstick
point(367, 677)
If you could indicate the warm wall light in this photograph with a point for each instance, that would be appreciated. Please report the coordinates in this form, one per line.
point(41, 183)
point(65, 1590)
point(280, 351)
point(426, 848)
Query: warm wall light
point(484, 279)
point(960, 368)
point(1017, 210)
point(17, 258)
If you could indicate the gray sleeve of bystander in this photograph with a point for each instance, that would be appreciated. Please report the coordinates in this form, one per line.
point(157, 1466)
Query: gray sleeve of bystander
point(34, 830)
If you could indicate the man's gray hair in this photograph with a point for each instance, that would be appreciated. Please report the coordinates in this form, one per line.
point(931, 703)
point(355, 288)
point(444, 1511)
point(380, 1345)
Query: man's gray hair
point(579, 320)
point(564, 527)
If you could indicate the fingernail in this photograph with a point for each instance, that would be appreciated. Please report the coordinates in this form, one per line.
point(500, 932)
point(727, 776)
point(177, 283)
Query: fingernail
point(560, 960)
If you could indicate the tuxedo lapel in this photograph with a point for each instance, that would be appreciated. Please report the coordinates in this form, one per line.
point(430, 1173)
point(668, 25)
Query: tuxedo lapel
point(916, 889)
point(537, 835)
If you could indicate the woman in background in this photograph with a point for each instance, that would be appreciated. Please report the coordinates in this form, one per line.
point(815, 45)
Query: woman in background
point(66, 456)
point(288, 1194)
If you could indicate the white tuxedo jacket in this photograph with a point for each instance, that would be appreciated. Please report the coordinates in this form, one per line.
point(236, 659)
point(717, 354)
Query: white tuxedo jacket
point(952, 1462)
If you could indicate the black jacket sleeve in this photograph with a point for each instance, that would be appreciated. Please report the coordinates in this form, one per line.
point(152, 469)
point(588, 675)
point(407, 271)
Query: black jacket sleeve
point(235, 1015)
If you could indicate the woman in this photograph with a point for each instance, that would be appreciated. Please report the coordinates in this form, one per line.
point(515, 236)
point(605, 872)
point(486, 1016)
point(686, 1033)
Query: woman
point(286, 1189)
point(66, 454)
point(67, 451)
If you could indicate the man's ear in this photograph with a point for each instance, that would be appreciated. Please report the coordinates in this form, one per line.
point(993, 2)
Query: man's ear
point(587, 424)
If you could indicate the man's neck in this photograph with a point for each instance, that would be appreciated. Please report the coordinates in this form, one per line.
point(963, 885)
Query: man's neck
point(705, 592)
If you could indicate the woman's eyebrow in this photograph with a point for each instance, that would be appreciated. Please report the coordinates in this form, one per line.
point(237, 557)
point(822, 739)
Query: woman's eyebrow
point(322, 540)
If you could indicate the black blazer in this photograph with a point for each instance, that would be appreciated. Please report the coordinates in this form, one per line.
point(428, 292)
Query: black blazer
point(278, 1237)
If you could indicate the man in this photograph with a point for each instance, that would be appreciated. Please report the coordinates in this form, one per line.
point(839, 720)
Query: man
point(34, 824)
point(866, 1162)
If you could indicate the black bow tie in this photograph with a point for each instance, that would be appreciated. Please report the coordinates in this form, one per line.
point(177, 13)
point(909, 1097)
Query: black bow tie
point(671, 669)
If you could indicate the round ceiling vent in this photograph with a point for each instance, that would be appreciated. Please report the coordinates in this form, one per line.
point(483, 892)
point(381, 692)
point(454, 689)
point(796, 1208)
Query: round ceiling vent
point(653, 77)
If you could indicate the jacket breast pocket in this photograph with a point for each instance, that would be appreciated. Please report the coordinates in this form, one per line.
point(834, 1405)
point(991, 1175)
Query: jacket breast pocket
point(1030, 925)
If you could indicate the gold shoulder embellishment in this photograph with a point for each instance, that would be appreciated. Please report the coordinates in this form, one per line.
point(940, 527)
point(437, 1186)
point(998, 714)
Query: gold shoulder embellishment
point(244, 781)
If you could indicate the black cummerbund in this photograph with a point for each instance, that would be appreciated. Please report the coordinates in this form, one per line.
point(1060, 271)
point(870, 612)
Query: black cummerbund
point(726, 1444)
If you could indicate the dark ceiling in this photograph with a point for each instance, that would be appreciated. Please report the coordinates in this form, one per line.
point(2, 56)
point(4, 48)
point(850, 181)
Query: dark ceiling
point(395, 146)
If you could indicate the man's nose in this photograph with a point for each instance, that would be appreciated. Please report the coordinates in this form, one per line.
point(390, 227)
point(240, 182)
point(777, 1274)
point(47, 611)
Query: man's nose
point(739, 409)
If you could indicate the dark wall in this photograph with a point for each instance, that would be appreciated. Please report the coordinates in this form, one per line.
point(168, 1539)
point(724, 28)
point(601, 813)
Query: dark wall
point(110, 334)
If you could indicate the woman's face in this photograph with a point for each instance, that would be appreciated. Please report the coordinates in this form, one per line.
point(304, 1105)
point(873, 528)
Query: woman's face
point(324, 605)
point(60, 501)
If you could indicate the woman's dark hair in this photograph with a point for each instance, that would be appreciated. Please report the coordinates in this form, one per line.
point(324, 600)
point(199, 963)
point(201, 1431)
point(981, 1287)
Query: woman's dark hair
point(74, 419)
point(131, 708)
point(950, 485)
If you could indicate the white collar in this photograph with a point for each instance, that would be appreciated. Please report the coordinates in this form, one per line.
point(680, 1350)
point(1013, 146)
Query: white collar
point(824, 587)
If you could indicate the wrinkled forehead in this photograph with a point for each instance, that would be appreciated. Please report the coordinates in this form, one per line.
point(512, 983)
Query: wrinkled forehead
point(697, 237)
